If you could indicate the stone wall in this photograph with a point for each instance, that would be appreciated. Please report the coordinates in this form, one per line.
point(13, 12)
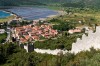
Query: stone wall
point(83, 44)
point(92, 40)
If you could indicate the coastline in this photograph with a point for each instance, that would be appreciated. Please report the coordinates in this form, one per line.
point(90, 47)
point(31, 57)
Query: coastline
point(11, 13)
point(7, 18)
point(59, 12)
point(52, 16)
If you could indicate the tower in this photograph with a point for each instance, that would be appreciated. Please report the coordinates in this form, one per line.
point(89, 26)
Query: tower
point(29, 47)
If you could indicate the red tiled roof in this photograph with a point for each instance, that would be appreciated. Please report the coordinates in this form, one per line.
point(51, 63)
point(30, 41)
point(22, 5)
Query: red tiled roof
point(35, 37)
point(23, 40)
point(26, 37)
point(35, 32)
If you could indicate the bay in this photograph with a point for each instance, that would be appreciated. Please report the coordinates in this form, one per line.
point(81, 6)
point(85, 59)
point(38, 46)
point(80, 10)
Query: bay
point(4, 14)
point(31, 13)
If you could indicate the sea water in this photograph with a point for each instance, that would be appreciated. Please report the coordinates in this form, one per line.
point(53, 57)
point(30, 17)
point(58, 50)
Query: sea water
point(32, 13)
point(4, 14)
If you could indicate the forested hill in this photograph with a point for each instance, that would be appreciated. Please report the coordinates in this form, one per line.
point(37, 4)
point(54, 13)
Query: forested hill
point(20, 2)
point(67, 3)
point(87, 3)
point(30, 2)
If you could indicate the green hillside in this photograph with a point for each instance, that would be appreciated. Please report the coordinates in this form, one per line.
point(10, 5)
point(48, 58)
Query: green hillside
point(67, 3)
point(19, 2)
point(83, 3)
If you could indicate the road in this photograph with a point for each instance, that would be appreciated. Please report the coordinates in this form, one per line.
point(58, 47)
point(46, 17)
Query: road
point(8, 35)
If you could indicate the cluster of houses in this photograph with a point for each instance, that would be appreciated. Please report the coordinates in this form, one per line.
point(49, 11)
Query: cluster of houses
point(34, 32)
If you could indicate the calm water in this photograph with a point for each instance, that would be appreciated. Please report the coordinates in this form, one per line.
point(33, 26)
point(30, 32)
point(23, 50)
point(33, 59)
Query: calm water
point(4, 14)
point(31, 13)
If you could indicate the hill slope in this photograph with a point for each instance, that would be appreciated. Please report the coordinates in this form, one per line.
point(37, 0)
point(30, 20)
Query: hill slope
point(85, 3)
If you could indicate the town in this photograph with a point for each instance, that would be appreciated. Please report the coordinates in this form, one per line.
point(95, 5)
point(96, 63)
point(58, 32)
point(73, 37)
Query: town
point(49, 33)
point(34, 32)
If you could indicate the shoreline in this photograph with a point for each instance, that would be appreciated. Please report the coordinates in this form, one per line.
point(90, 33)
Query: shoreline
point(52, 16)
point(11, 13)
point(7, 18)
point(59, 12)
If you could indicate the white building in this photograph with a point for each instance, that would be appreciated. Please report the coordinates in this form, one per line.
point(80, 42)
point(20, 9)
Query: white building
point(2, 31)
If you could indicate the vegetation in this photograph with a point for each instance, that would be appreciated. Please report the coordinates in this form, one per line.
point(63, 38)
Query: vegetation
point(63, 26)
point(65, 3)
point(12, 55)
point(78, 18)
point(3, 37)
point(19, 2)
point(3, 25)
point(64, 42)
point(79, 13)
point(87, 58)
point(16, 23)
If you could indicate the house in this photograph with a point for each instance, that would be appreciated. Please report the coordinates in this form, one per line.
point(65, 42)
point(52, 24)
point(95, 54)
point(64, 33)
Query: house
point(2, 31)
point(35, 38)
point(23, 40)
point(71, 31)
